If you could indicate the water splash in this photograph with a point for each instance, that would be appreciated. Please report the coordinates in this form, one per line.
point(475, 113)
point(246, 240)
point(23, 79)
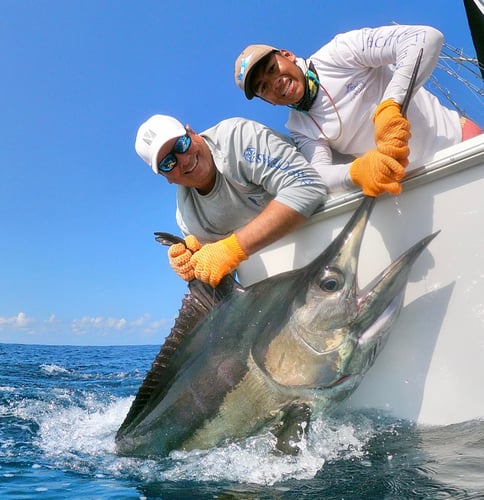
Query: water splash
point(83, 439)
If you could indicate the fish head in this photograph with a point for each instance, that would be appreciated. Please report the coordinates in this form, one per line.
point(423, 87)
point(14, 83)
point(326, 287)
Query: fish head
point(335, 330)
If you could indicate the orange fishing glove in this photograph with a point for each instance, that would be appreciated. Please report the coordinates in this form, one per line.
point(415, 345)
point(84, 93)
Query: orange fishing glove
point(179, 256)
point(377, 173)
point(215, 260)
point(392, 132)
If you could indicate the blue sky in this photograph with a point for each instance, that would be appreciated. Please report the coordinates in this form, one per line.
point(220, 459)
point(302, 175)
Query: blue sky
point(78, 208)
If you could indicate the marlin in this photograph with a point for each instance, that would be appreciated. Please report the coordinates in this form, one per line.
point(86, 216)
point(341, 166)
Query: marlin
point(272, 355)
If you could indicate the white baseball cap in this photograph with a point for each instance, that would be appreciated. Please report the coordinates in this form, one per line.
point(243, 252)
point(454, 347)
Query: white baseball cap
point(153, 134)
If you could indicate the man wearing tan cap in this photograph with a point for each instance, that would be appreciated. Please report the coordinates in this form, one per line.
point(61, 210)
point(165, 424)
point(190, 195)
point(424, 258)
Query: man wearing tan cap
point(240, 187)
point(357, 79)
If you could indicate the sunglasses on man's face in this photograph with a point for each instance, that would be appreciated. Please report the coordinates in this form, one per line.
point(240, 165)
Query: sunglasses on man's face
point(168, 163)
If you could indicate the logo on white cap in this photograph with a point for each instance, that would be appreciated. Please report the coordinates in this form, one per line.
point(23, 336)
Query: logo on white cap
point(149, 136)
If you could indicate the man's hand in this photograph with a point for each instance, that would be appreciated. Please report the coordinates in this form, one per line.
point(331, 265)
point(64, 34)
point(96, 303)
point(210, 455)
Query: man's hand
point(377, 173)
point(392, 132)
point(179, 256)
point(215, 260)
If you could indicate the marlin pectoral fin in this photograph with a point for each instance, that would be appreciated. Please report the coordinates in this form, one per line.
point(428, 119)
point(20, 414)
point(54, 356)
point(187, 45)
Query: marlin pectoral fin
point(292, 428)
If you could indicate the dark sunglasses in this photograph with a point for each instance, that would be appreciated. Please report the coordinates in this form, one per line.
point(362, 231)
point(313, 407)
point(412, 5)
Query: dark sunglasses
point(168, 163)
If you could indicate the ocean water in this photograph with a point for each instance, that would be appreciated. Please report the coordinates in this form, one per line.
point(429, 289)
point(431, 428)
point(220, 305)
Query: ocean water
point(60, 408)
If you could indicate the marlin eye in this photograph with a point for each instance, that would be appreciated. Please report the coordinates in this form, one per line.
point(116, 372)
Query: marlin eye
point(332, 282)
point(330, 285)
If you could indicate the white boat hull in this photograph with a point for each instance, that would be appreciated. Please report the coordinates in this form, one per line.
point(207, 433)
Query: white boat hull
point(431, 370)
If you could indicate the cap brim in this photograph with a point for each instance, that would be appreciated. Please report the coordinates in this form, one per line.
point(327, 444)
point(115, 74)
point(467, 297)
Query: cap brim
point(160, 142)
point(247, 87)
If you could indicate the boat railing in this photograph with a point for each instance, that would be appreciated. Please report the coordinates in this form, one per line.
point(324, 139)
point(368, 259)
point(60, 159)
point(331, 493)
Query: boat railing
point(449, 161)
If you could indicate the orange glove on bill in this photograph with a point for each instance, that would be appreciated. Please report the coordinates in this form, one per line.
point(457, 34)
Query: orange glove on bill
point(215, 260)
point(377, 173)
point(392, 131)
point(179, 256)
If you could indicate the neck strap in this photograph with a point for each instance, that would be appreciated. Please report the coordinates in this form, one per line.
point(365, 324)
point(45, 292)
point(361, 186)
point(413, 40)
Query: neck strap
point(310, 91)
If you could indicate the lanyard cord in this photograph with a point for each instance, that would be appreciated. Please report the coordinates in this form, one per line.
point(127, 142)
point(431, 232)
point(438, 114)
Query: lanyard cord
point(320, 128)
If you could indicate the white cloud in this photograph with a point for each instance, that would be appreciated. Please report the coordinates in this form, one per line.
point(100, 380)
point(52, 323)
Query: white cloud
point(88, 323)
point(92, 330)
point(21, 321)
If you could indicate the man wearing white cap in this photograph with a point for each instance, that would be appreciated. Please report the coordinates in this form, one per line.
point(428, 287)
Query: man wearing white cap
point(335, 95)
point(240, 187)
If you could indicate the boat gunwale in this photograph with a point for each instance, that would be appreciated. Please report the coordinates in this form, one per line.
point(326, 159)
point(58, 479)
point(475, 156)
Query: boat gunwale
point(467, 154)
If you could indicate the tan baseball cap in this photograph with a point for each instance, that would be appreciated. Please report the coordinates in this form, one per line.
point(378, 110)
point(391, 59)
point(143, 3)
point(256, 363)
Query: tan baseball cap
point(246, 62)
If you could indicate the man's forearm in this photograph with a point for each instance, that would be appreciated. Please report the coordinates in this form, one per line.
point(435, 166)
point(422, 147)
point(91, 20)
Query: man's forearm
point(274, 222)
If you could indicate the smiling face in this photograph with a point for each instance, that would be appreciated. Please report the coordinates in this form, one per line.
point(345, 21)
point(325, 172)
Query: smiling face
point(194, 168)
point(278, 80)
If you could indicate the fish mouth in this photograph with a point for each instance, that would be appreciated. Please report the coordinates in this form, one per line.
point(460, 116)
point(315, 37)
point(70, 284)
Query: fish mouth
point(371, 341)
point(341, 387)
point(386, 318)
point(363, 317)
point(341, 380)
point(381, 300)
